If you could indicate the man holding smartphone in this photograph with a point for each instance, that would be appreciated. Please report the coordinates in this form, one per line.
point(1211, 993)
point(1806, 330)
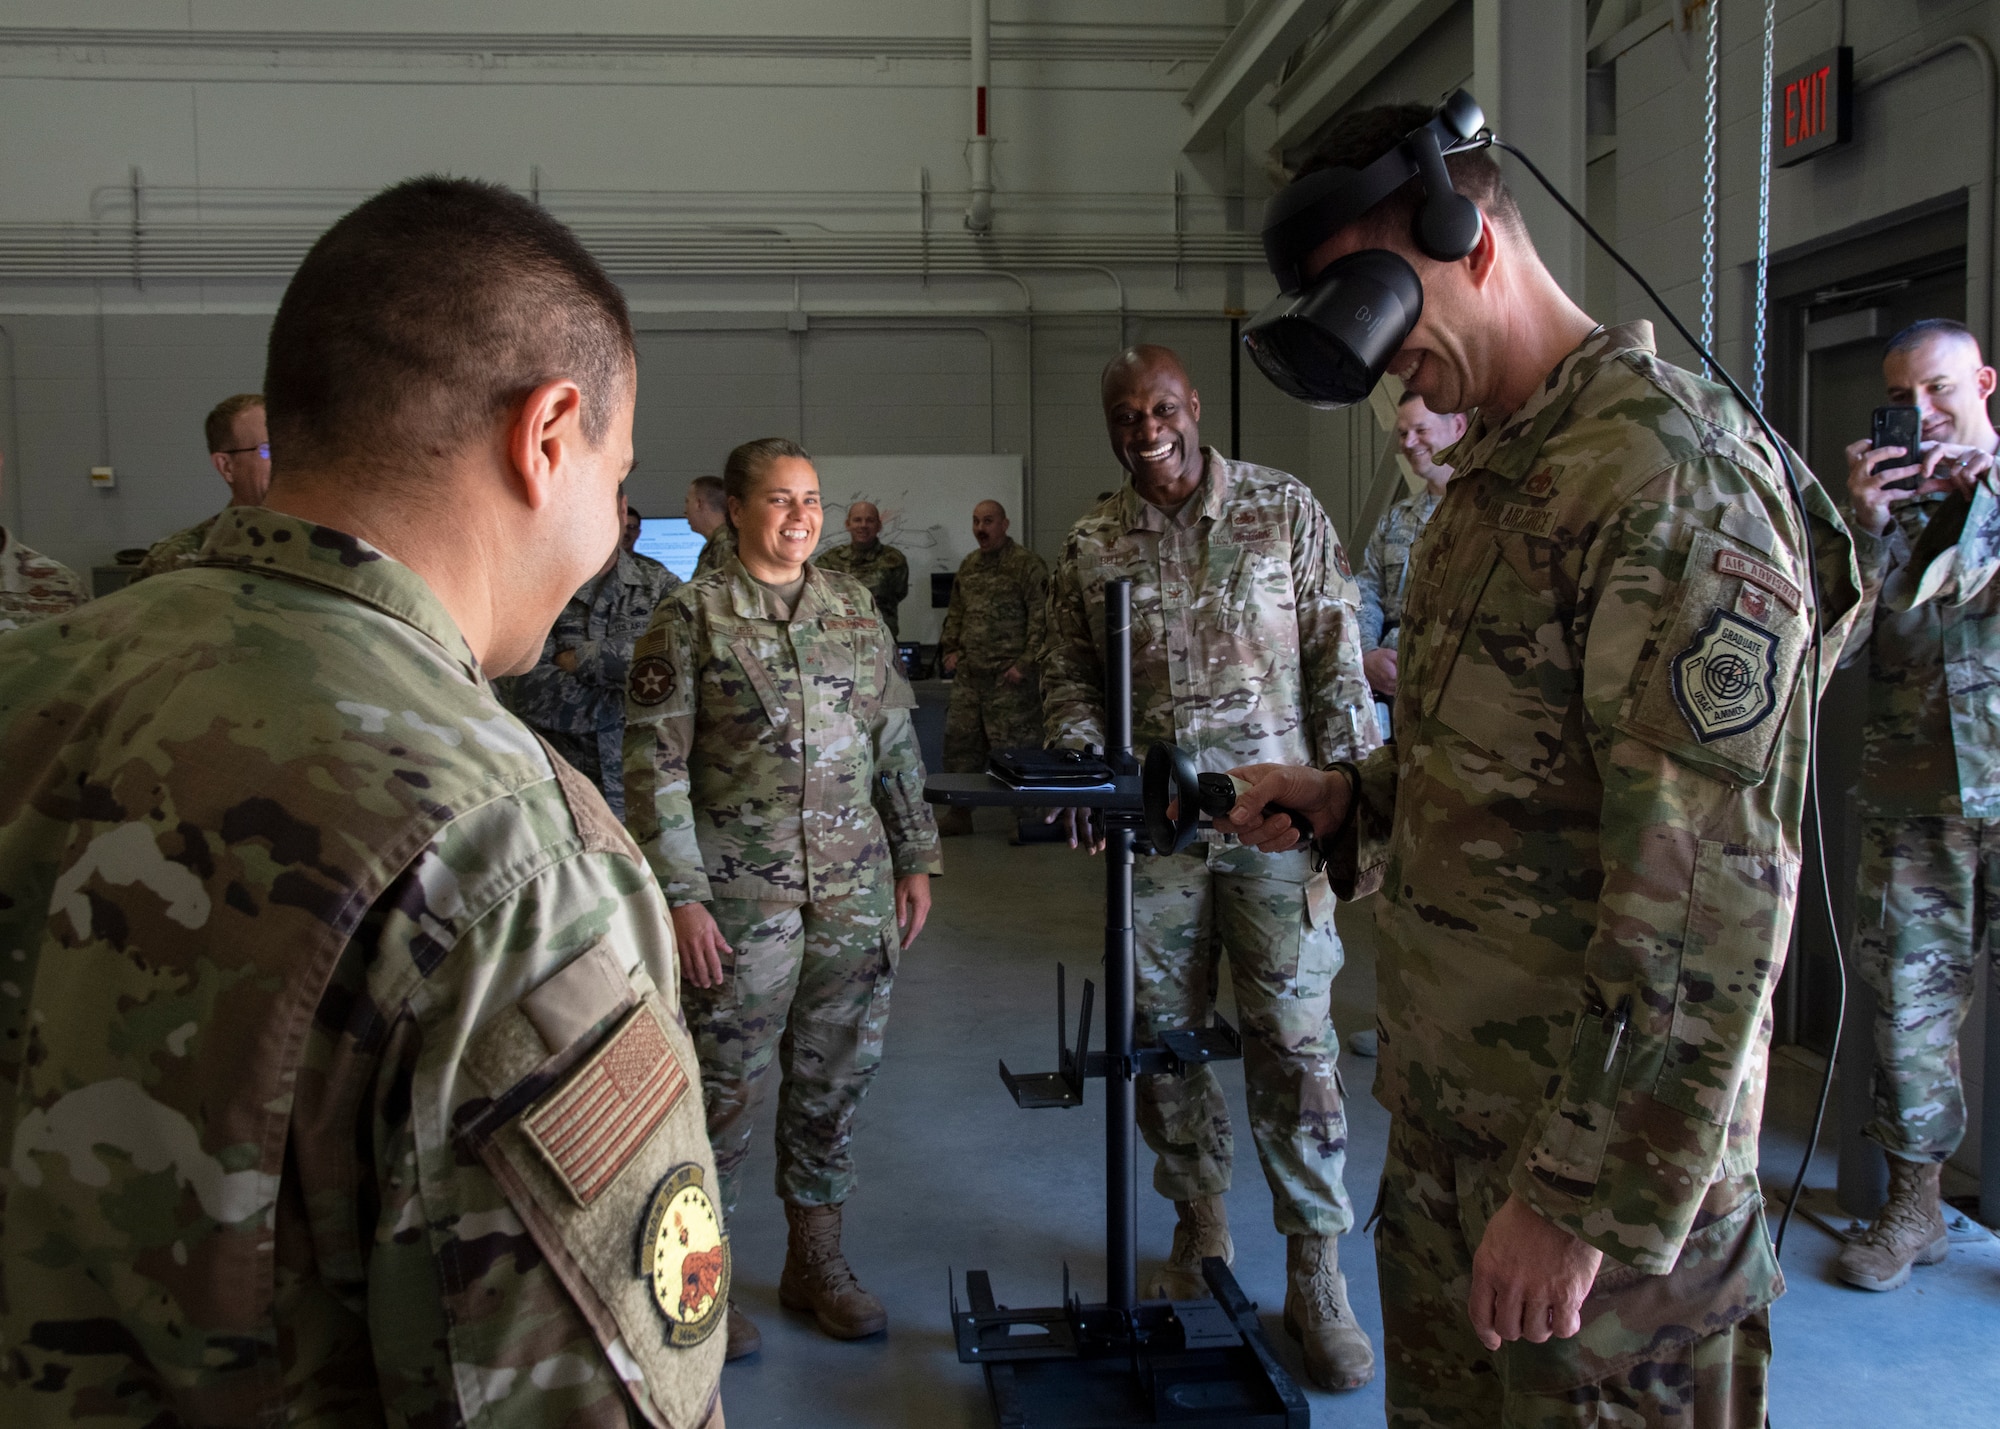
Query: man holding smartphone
point(1930, 785)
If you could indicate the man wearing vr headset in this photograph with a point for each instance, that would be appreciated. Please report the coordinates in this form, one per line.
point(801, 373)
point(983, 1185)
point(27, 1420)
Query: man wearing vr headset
point(1586, 832)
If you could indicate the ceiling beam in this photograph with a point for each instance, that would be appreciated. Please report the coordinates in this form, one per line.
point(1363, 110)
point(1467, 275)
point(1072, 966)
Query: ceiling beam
point(1255, 51)
point(1365, 40)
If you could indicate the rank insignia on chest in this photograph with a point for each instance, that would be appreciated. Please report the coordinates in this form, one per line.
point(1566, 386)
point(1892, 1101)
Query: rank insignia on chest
point(1724, 681)
point(684, 1257)
point(1539, 483)
point(652, 680)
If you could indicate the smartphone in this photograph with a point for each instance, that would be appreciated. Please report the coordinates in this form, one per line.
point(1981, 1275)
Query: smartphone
point(1898, 427)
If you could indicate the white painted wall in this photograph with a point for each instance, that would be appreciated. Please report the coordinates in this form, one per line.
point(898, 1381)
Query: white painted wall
point(266, 120)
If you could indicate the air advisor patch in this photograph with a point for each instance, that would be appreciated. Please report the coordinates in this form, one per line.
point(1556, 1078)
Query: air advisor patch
point(685, 1256)
point(1725, 681)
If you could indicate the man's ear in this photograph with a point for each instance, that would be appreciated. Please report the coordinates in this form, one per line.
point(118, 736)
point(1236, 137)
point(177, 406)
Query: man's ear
point(547, 428)
point(1987, 378)
point(1194, 404)
point(221, 463)
point(1485, 254)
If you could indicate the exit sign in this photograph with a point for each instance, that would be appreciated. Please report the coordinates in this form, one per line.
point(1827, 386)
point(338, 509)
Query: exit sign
point(1812, 107)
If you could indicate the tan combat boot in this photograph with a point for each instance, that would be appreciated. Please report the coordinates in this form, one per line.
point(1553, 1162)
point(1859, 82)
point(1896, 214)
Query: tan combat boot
point(817, 1277)
point(1203, 1231)
point(1317, 1315)
point(952, 822)
point(1909, 1230)
point(744, 1336)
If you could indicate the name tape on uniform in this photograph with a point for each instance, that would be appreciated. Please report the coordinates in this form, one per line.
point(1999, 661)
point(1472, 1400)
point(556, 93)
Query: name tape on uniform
point(1735, 563)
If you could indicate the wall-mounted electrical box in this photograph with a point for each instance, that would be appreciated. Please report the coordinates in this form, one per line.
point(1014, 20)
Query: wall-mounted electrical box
point(103, 478)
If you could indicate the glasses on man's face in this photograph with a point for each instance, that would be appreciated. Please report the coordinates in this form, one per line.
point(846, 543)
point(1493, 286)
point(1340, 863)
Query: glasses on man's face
point(263, 449)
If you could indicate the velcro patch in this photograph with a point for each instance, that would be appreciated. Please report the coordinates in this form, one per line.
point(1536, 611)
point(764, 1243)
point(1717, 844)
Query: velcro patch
point(591, 1127)
point(848, 622)
point(651, 681)
point(1735, 563)
point(1530, 520)
point(1725, 682)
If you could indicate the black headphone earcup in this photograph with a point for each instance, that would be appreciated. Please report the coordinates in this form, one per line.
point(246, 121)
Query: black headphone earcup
point(1447, 226)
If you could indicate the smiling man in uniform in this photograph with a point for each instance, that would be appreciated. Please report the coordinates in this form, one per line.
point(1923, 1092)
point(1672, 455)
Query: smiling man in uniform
point(1244, 648)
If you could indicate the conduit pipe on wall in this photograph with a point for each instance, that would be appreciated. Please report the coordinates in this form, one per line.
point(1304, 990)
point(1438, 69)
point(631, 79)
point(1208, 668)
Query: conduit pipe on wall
point(1980, 206)
point(16, 502)
point(979, 216)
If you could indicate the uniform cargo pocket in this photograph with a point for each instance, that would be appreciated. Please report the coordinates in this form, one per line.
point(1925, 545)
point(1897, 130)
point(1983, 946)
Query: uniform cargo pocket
point(1738, 926)
point(600, 1148)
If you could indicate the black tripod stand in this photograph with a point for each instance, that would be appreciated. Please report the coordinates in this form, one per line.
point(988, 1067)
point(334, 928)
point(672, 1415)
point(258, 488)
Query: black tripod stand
point(1125, 1361)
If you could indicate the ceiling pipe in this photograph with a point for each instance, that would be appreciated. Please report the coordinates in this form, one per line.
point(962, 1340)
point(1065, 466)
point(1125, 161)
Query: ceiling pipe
point(979, 216)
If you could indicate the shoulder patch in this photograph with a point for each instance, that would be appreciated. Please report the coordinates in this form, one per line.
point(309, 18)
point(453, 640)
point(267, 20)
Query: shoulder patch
point(1726, 681)
point(592, 1126)
point(651, 681)
point(684, 1256)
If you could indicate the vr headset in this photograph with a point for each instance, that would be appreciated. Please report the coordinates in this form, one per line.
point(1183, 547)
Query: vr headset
point(1328, 342)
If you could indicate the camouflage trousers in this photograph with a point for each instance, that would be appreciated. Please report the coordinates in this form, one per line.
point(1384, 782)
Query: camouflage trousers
point(1436, 1199)
point(986, 713)
point(1283, 954)
point(807, 985)
point(1926, 888)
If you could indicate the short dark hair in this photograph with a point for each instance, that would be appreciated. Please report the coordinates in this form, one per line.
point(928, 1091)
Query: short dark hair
point(708, 491)
point(1926, 330)
point(220, 424)
point(1409, 395)
point(1357, 140)
point(429, 310)
point(751, 460)
point(631, 510)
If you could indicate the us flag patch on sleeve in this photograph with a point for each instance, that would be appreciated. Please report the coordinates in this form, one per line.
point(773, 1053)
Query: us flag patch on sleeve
point(591, 1127)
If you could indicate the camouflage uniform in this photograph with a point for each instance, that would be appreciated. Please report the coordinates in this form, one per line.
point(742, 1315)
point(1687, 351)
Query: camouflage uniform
point(1243, 651)
point(1385, 570)
point(32, 586)
point(716, 551)
point(581, 712)
point(1929, 795)
point(171, 553)
point(308, 940)
point(995, 622)
point(1385, 567)
point(1587, 841)
point(772, 772)
point(882, 568)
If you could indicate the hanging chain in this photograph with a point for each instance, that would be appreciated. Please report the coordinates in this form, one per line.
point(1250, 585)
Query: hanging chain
point(1709, 184)
point(1757, 317)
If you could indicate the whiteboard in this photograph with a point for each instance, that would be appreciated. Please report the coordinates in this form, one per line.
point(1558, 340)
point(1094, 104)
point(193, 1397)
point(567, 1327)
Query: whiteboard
point(926, 504)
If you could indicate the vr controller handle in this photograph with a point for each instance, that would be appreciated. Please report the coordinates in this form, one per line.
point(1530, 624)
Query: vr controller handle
point(1218, 797)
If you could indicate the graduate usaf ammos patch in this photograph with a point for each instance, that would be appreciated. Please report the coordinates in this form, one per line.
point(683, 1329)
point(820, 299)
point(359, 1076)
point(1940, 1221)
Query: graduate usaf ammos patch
point(1725, 681)
point(1717, 691)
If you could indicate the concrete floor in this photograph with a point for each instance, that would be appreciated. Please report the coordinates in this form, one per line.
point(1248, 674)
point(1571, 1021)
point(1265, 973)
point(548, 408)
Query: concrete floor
point(954, 1175)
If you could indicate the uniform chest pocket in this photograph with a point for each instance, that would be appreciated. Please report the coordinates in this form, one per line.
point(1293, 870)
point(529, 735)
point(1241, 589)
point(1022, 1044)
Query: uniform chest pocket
point(754, 659)
point(1513, 675)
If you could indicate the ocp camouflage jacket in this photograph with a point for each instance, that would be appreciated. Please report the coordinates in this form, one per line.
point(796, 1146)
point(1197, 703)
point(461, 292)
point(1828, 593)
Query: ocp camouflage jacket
point(1244, 625)
point(773, 759)
point(1931, 740)
point(318, 972)
point(1587, 830)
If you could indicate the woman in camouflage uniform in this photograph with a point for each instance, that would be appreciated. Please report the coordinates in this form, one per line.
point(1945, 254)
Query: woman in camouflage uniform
point(774, 781)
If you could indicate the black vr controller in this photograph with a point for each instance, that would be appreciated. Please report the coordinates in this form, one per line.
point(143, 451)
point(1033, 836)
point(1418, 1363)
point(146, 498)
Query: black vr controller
point(1176, 797)
point(1328, 341)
